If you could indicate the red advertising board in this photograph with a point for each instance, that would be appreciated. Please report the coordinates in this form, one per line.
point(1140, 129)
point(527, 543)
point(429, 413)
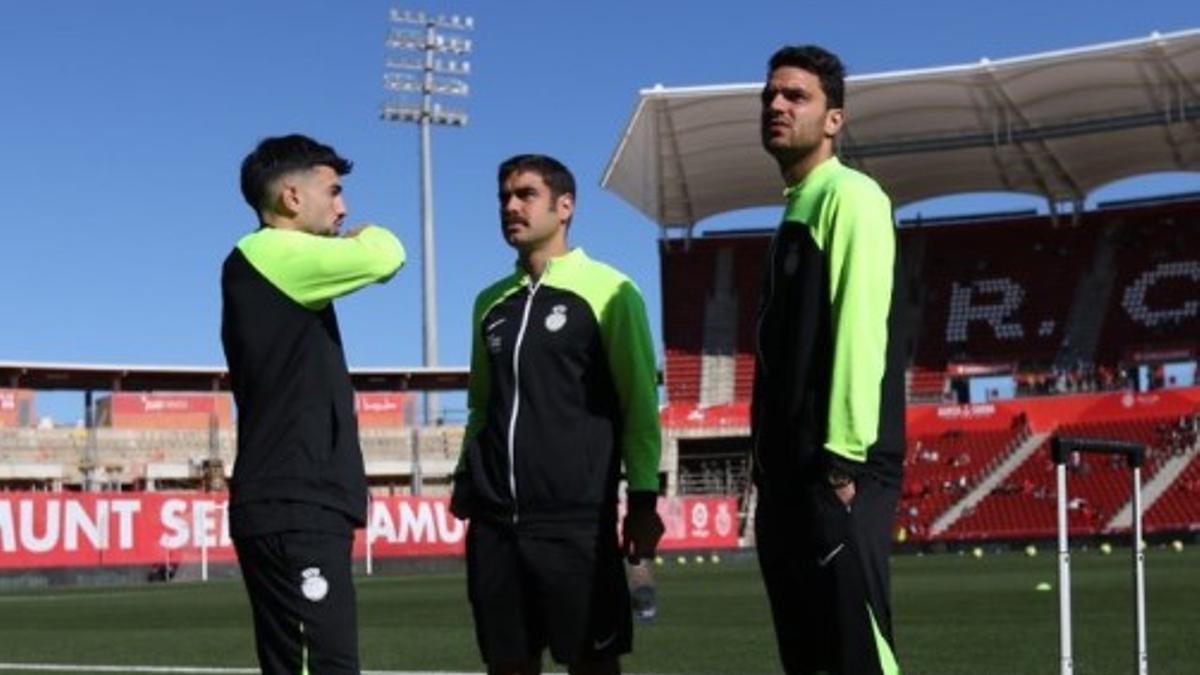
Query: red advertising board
point(165, 403)
point(1123, 405)
point(1048, 412)
point(699, 523)
point(162, 410)
point(67, 529)
point(692, 416)
point(937, 418)
point(380, 408)
point(46, 529)
point(16, 408)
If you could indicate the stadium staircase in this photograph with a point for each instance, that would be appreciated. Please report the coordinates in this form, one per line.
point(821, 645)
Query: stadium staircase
point(1166, 476)
point(1018, 457)
point(1090, 305)
point(717, 365)
point(912, 251)
point(1179, 507)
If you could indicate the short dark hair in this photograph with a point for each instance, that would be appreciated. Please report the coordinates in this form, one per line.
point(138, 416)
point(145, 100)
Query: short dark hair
point(280, 155)
point(553, 172)
point(818, 61)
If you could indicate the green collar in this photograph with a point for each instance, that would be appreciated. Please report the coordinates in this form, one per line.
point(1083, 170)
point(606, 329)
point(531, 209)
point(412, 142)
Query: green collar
point(792, 192)
point(554, 266)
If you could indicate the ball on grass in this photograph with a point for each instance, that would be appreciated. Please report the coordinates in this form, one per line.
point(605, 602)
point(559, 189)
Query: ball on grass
point(1106, 548)
point(977, 552)
point(1043, 586)
point(714, 559)
point(1031, 550)
point(682, 560)
point(658, 560)
point(699, 560)
point(1177, 546)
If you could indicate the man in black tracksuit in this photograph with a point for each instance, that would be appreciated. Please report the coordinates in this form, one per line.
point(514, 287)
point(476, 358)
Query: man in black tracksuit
point(828, 410)
point(563, 391)
point(298, 489)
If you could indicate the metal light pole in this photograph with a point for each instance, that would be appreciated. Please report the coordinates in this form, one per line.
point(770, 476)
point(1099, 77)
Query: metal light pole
point(428, 75)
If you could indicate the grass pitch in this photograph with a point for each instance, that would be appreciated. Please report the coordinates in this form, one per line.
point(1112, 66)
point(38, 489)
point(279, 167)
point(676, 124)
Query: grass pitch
point(954, 614)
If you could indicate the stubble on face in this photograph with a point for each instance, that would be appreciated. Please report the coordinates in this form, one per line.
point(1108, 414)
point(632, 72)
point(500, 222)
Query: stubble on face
point(793, 117)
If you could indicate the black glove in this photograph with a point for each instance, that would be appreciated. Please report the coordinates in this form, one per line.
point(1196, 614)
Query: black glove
point(642, 528)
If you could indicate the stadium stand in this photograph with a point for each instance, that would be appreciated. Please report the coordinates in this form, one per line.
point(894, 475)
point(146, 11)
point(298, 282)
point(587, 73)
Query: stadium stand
point(1024, 505)
point(940, 469)
point(1156, 274)
point(1179, 507)
point(1044, 300)
point(997, 292)
point(926, 385)
point(176, 458)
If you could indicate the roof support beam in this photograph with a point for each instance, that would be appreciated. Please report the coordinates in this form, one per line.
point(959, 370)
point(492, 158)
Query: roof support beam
point(1115, 122)
point(663, 118)
point(1178, 92)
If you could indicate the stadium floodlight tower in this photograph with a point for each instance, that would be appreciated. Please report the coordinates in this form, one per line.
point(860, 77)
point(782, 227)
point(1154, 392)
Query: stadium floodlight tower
point(437, 70)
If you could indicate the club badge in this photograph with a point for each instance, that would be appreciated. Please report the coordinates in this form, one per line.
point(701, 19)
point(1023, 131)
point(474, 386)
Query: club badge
point(314, 586)
point(557, 318)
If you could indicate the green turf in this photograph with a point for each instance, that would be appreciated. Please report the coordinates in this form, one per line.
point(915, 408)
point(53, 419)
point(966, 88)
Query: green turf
point(954, 614)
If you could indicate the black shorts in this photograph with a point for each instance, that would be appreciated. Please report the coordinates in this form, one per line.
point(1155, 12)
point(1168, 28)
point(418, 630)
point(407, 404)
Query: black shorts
point(557, 586)
point(826, 572)
point(302, 596)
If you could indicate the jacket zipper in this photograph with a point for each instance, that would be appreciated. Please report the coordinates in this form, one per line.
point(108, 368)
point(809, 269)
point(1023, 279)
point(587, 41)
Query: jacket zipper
point(516, 406)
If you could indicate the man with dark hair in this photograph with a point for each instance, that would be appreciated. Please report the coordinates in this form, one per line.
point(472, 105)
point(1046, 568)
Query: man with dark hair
point(563, 390)
point(828, 411)
point(298, 489)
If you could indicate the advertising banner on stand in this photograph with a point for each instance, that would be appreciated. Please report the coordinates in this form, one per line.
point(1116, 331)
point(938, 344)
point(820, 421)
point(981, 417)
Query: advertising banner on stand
point(70, 529)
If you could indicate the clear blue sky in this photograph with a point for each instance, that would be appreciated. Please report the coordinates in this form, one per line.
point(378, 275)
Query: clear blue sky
point(122, 125)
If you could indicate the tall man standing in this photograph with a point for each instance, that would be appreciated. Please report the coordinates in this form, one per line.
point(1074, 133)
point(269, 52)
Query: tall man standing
point(828, 412)
point(563, 391)
point(298, 489)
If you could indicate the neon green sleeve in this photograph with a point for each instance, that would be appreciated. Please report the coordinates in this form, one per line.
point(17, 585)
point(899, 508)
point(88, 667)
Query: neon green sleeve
point(630, 352)
point(313, 270)
point(861, 253)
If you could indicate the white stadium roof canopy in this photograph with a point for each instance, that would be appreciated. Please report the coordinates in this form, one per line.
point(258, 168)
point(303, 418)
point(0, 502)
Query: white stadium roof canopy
point(1058, 125)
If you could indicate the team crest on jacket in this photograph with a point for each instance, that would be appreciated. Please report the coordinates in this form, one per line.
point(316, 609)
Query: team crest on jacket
point(314, 586)
point(557, 318)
